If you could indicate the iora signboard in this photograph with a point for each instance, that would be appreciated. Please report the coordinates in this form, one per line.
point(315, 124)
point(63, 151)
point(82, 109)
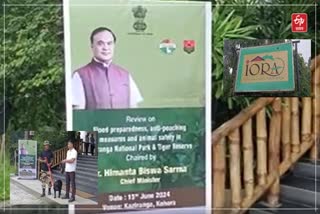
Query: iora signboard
point(265, 69)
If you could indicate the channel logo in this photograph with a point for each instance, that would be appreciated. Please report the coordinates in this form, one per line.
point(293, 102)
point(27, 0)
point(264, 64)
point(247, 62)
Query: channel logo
point(299, 22)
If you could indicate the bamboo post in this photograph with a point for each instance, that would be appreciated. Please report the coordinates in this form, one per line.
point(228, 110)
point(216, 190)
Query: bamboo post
point(248, 158)
point(295, 128)
point(219, 174)
point(286, 133)
point(274, 152)
point(316, 107)
point(306, 120)
point(261, 147)
point(235, 176)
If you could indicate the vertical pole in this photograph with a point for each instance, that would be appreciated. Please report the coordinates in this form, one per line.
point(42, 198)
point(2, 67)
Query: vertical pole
point(286, 130)
point(274, 153)
point(235, 68)
point(296, 70)
point(248, 158)
point(295, 127)
point(219, 174)
point(261, 130)
point(235, 168)
point(26, 135)
point(315, 68)
point(15, 157)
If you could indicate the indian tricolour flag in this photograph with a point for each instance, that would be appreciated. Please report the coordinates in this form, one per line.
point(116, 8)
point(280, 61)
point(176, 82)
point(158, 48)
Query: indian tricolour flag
point(167, 46)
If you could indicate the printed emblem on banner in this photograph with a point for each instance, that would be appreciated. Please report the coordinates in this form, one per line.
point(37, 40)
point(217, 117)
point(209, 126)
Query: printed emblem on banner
point(139, 14)
point(167, 46)
point(299, 22)
point(189, 46)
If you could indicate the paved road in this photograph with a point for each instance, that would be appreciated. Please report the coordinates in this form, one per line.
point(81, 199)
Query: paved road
point(4, 204)
point(34, 187)
point(23, 201)
point(20, 196)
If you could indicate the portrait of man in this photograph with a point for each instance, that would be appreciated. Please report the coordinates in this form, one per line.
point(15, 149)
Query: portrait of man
point(101, 84)
point(23, 150)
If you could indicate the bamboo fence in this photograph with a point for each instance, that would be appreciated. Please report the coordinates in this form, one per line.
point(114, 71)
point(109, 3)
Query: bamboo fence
point(251, 151)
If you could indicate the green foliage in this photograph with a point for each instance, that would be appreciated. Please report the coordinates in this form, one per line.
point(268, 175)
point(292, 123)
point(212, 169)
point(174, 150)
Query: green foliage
point(57, 139)
point(12, 143)
point(34, 77)
point(304, 77)
point(5, 177)
point(226, 25)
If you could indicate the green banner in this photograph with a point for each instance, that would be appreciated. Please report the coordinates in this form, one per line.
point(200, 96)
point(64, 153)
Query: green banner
point(148, 150)
point(157, 152)
point(141, 80)
point(27, 159)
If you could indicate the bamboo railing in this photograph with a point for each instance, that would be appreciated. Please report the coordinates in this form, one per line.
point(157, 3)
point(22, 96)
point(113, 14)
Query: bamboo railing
point(59, 155)
point(251, 151)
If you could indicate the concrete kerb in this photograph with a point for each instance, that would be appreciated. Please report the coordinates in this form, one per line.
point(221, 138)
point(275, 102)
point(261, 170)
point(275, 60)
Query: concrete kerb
point(34, 187)
point(32, 191)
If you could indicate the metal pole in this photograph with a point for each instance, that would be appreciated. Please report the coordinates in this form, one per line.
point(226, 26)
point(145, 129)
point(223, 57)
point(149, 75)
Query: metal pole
point(15, 158)
point(235, 68)
point(296, 70)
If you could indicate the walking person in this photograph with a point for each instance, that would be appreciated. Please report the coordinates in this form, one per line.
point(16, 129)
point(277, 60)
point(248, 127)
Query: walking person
point(87, 143)
point(78, 141)
point(70, 170)
point(46, 159)
point(92, 143)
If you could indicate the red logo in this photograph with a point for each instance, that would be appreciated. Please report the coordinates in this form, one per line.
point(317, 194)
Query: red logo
point(189, 46)
point(299, 22)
